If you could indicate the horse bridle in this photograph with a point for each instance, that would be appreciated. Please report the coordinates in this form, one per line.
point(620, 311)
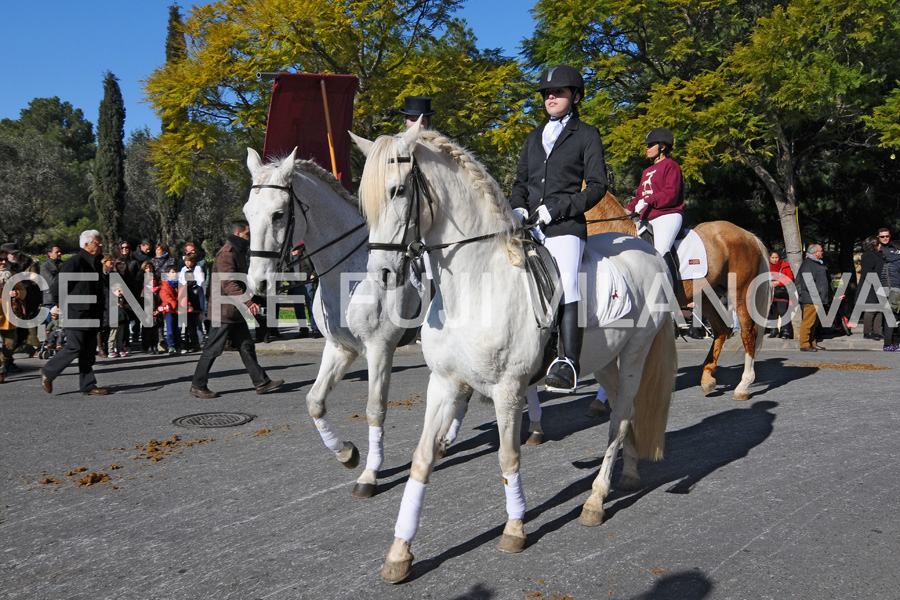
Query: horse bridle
point(284, 253)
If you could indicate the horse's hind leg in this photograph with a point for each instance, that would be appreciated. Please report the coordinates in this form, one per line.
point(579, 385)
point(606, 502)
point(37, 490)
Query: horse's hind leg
point(720, 334)
point(380, 360)
point(749, 333)
point(442, 401)
point(592, 512)
point(335, 362)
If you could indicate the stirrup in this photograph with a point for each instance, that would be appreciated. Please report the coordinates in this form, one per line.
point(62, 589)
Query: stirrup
point(566, 361)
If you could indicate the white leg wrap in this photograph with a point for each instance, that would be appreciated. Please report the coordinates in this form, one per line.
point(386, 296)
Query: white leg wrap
point(410, 510)
point(329, 435)
point(534, 404)
point(515, 496)
point(457, 421)
point(375, 457)
point(601, 394)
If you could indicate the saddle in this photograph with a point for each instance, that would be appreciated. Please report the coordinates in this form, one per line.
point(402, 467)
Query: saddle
point(543, 282)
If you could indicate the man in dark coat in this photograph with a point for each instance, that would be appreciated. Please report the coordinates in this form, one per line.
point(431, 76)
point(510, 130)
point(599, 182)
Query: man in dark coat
point(81, 276)
point(50, 273)
point(812, 276)
point(228, 322)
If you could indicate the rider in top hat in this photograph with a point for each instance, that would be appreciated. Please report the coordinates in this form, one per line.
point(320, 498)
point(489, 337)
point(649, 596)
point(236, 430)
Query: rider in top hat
point(560, 158)
point(416, 106)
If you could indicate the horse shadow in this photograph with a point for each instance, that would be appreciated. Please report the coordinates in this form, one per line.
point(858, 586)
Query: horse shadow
point(692, 453)
point(771, 374)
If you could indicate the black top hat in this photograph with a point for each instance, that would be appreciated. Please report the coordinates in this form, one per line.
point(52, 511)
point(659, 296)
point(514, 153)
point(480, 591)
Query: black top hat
point(414, 106)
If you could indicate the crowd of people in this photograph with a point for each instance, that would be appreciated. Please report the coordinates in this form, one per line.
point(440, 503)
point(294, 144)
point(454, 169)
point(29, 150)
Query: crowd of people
point(878, 282)
point(130, 279)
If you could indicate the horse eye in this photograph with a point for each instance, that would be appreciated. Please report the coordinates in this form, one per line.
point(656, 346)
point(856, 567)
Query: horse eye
point(278, 216)
point(399, 190)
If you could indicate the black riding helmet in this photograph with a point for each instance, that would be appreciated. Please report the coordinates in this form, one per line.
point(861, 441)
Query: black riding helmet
point(562, 76)
point(660, 135)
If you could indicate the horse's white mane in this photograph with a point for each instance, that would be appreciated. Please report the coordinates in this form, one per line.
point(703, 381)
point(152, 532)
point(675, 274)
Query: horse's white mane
point(309, 167)
point(386, 148)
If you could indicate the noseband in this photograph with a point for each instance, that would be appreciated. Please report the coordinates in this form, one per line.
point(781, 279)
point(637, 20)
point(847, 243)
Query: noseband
point(284, 253)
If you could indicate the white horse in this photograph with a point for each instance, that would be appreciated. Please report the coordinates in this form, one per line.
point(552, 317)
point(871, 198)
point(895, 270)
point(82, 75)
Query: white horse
point(480, 333)
point(371, 321)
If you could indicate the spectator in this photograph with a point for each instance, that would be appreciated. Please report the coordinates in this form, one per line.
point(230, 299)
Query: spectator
point(871, 264)
point(168, 307)
point(81, 336)
point(144, 252)
point(107, 329)
point(129, 269)
point(781, 274)
point(415, 107)
point(10, 303)
point(120, 341)
point(56, 335)
point(193, 281)
point(27, 336)
point(230, 323)
point(308, 290)
point(150, 295)
point(50, 273)
point(890, 280)
point(162, 261)
point(812, 276)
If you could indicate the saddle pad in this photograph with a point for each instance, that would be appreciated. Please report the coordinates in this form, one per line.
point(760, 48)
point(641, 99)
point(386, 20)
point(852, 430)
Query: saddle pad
point(608, 298)
point(692, 256)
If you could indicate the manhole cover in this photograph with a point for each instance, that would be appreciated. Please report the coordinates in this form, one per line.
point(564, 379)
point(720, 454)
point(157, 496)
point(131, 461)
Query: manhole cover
point(214, 419)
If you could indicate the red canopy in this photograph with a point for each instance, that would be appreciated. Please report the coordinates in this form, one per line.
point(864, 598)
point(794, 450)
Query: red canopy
point(297, 118)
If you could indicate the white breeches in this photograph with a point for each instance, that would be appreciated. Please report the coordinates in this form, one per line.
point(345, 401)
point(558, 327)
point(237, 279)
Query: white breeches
point(566, 251)
point(665, 230)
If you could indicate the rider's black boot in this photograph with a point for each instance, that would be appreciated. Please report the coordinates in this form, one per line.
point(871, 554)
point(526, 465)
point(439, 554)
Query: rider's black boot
point(673, 269)
point(561, 375)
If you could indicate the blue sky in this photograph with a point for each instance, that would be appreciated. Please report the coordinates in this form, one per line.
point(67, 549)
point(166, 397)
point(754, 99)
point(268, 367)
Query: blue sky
point(64, 48)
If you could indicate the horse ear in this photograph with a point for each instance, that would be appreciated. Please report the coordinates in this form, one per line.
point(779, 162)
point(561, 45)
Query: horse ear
point(254, 162)
point(363, 144)
point(408, 137)
point(287, 166)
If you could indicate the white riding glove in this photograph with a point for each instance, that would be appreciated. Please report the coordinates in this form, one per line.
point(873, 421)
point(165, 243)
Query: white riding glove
point(640, 206)
point(521, 214)
point(543, 215)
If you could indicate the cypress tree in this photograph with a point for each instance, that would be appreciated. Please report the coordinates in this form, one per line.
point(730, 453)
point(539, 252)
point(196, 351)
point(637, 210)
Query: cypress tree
point(176, 50)
point(109, 164)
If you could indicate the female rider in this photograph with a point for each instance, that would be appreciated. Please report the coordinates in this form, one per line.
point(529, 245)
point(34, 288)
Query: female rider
point(561, 175)
point(660, 196)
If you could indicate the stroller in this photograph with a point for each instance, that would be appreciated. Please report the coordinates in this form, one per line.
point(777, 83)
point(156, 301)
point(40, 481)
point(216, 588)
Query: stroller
point(55, 339)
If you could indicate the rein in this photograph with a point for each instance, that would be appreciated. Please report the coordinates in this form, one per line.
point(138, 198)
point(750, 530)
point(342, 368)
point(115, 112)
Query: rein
point(416, 248)
point(284, 253)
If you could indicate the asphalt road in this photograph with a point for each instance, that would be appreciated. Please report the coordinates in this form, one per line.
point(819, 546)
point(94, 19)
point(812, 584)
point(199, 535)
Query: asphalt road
point(792, 494)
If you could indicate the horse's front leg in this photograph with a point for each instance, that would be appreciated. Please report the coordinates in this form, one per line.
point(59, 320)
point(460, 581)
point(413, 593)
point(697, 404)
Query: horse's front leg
point(381, 359)
point(441, 403)
point(509, 422)
point(335, 362)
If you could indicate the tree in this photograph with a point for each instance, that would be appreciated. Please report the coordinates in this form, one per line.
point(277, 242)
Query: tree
point(58, 121)
point(394, 47)
point(141, 218)
point(109, 166)
point(173, 121)
point(774, 86)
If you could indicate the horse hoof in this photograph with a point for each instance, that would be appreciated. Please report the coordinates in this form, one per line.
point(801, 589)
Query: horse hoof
point(511, 544)
point(363, 490)
point(628, 484)
point(596, 410)
point(535, 439)
point(352, 461)
point(590, 517)
point(741, 396)
point(708, 387)
point(395, 572)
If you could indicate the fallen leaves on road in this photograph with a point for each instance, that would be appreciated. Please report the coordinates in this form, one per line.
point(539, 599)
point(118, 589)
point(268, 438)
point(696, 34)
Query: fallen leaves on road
point(841, 366)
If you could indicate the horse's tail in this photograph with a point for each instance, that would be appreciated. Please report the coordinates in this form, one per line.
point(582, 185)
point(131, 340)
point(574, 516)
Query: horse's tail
point(762, 298)
point(654, 395)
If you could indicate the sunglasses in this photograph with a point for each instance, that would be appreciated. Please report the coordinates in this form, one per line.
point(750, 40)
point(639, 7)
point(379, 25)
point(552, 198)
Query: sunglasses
point(884, 236)
point(4, 259)
point(125, 248)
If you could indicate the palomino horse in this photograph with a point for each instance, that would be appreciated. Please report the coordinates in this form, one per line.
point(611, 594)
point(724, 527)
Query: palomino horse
point(298, 200)
point(480, 332)
point(733, 253)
